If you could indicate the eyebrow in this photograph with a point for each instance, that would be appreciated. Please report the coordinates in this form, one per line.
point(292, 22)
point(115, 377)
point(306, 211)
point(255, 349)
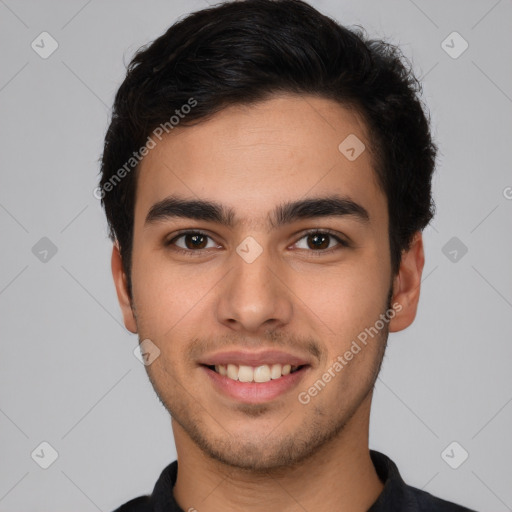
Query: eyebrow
point(331, 206)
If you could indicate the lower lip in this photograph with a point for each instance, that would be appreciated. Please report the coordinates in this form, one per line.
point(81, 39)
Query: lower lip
point(255, 392)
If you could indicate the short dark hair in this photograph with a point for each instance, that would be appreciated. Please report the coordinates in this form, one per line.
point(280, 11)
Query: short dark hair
point(242, 52)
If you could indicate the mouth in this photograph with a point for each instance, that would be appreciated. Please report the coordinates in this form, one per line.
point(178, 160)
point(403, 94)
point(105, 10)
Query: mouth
point(254, 377)
point(257, 374)
point(254, 384)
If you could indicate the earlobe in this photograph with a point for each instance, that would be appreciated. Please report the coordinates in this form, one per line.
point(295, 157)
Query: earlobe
point(407, 284)
point(120, 282)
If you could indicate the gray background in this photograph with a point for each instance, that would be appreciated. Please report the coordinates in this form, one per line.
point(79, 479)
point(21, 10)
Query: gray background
point(68, 375)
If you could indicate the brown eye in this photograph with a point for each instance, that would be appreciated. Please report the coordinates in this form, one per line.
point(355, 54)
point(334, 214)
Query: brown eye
point(320, 241)
point(192, 241)
point(195, 241)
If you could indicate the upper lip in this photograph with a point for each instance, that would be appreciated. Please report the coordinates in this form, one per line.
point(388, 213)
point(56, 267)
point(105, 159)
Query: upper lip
point(240, 357)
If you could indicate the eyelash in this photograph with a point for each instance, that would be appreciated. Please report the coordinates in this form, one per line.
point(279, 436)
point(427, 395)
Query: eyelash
point(190, 252)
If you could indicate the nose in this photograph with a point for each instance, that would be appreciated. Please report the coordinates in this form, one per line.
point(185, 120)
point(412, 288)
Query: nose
point(254, 297)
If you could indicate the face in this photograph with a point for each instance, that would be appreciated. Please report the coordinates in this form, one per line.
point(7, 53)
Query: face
point(256, 301)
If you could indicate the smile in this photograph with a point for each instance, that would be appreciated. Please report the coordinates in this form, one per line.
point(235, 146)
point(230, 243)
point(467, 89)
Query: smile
point(261, 374)
point(255, 384)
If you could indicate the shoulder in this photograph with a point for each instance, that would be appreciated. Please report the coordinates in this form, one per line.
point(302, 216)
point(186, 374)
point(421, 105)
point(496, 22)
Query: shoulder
point(140, 504)
point(162, 496)
point(401, 497)
point(426, 502)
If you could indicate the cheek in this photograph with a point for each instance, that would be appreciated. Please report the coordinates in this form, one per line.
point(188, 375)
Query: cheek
point(166, 296)
point(345, 299)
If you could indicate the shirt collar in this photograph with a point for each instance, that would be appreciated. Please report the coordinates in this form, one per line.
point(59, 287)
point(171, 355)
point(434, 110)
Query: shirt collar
point(392, 496)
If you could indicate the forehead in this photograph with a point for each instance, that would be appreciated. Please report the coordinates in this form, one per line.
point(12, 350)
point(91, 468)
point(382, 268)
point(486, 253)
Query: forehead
point(254, 157)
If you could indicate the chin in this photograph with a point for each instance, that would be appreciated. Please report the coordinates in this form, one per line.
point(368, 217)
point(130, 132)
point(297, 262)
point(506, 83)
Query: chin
point(259, 457)
point(263, 450)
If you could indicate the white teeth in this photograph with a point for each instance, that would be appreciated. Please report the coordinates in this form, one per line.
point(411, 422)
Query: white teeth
point(245, 373)
point(232, 371)
point(263, 373)
point(275, 371)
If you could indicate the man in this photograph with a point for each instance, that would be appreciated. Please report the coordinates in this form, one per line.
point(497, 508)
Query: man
point(266, 177)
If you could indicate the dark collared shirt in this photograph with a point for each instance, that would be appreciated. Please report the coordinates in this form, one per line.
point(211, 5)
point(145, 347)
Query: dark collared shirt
point(396, 496)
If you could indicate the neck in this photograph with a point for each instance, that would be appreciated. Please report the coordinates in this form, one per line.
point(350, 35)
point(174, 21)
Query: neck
point(339, 476)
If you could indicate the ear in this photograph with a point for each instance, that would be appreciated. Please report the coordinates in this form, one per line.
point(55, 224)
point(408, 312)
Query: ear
point(122, 289)
point(406, 285)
